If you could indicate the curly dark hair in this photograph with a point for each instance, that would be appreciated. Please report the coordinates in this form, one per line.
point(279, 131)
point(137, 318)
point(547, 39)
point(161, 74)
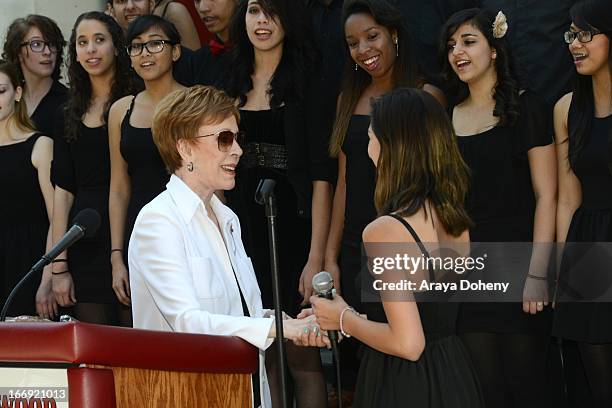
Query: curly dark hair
point(288, 84)
point(19, 29)
point(406, 72)
point(507, 89)
point(80, 84)
point(587, 15)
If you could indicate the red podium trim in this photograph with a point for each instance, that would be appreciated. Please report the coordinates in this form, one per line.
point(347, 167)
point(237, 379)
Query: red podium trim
point(84, 343)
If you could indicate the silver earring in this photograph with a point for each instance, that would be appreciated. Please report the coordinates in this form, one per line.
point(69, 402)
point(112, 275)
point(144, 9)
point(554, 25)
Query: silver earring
point(356, 67)
point(396, 48)
point(190, 166)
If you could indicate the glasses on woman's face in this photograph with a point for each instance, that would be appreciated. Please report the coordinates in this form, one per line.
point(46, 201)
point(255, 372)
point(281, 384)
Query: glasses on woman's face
point(38, 46)
point(583, 36)
point(153, 47)
point(225, 139)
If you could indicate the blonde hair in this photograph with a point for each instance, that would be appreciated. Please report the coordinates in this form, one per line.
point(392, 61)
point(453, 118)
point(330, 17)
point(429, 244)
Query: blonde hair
point(180, 114)
point(20, 116)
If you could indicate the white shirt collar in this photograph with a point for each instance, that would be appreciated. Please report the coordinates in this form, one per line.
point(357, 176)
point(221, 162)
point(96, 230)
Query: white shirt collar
point(188, 202)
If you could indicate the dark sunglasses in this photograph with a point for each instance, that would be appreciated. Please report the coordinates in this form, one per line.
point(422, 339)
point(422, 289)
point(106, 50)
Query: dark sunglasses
point(225, 139)
point(583, 36)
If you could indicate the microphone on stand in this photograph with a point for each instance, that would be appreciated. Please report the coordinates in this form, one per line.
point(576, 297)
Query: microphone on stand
point(86, 223)
point(323, 286)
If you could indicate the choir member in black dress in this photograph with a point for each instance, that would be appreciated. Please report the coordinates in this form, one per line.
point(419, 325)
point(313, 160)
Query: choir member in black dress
point(379, 59)
point(583, 131)
point(177, 13)
point(98, 71)
point(413, 357)
point(505, 137)
point(270, 77)
point(36, 45)
point(138, 173)
point(26, 202)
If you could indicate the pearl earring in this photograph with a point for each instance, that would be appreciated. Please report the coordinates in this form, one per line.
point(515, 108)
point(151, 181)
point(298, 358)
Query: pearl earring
point(356, 67)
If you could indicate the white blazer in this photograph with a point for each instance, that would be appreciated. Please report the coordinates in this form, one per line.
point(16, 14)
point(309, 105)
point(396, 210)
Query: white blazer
point(181, 273)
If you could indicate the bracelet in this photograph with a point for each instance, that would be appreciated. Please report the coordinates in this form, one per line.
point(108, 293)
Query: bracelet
point(59, 260)
point(59, 273)
point(345, 334)
point(542, 278)
point(116, 250)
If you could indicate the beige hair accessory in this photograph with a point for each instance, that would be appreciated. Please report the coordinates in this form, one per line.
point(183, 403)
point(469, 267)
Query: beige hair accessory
point(500, 25)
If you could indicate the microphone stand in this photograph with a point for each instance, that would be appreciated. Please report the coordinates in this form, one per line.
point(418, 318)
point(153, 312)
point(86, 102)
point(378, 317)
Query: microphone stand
point(265, 196)
point(36, 268)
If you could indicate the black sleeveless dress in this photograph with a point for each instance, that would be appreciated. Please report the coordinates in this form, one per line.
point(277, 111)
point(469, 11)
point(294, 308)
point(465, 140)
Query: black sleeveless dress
point(267, 127)
point(592, 222)
point(82, 167)
point(148, 174)
point(359, 210)
point(443, 377)
point(501, 204)
point(23, 224)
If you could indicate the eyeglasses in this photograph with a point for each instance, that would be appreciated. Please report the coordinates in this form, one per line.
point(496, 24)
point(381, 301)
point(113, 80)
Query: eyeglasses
point(153, 46)
point(39, 45)
point(226, 138)
point(583, 36)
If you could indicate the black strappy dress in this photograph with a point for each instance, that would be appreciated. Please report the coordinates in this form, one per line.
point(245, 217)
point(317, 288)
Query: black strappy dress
point(443, 377)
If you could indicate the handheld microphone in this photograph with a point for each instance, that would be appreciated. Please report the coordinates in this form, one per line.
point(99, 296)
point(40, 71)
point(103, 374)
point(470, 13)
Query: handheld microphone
point(86, 223)
point(323, 286)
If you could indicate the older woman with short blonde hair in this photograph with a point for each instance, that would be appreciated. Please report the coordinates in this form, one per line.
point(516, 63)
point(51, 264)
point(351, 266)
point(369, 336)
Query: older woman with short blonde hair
point(188, 268)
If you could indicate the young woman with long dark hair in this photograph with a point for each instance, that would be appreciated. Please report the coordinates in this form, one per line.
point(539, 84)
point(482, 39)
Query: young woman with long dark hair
point(270, 77)
point(505, 137)
point(36, 45)
point(379, 59)
point(98, 71)
point(413, 356)
point(138, 173)
point(583, 130)
point(26, 203)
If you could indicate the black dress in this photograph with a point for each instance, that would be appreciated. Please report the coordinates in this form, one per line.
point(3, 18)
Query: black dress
point(359, 208)
point(82, 167)
point(44, 115)
point(501, 204)
point(443, 376)
point(148, 174)
point(265, 130)
point(592, 222)
point(23, 224)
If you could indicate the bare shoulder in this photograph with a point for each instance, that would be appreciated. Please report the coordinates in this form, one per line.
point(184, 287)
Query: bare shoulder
point(177, 10)
point(42, 151)
point(563, 104)
point(120, 106)
point(386, 229)
point(436, 93)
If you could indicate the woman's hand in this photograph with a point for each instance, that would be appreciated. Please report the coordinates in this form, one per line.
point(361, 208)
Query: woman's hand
point(63, 289)
point(46, 305)
point(121, 281)
point(305, 332)
point(310, 270)
point(535, 295)
point(328, 311)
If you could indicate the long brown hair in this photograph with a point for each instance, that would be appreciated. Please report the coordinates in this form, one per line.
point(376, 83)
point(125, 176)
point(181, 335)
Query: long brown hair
point(21, 110)
point(405, 70)
point(419, 159)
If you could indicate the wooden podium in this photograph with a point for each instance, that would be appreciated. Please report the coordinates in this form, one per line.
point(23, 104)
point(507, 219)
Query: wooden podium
point(127, 368)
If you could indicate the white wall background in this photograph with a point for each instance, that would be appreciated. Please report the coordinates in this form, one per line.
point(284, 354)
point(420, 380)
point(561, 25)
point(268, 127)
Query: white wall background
point(64, 12)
